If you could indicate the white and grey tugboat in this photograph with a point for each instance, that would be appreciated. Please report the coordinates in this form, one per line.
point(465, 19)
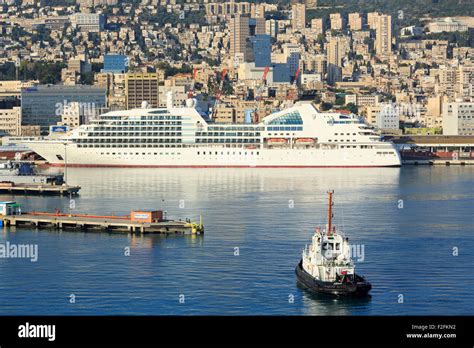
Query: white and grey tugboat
point(326, 265)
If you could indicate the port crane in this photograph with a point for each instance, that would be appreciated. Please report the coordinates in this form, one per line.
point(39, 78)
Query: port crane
point(258, 94)
point(219, 92)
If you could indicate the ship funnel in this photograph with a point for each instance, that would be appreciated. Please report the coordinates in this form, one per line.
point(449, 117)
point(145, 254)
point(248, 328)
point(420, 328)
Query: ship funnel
point(169, 100)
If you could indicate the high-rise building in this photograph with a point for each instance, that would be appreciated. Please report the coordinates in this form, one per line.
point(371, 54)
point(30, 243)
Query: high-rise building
point(239, 32)
point(43, 105)
point(257, 11)
point(271, 27)
point(317, 25)
point(337, 21)
point(337, 48)
point(241, 28)
point(115, 63)
point(298, 16)
point(372, 19)
point(223, 9)
point(292, 54)
point(260, 50)
point(383, 36)
point(355, 21)
point(140, 87)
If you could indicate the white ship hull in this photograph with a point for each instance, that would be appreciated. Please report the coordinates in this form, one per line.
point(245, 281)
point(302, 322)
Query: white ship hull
point(57, 154)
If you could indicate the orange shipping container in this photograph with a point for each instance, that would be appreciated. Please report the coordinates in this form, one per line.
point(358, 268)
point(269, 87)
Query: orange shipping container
point(146, 215)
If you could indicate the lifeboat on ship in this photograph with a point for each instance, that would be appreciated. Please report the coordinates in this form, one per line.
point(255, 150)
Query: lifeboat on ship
point(305, 141)
point(277, 141)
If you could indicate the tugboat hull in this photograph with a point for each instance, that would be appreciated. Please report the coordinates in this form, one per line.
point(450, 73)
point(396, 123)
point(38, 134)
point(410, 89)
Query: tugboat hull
point(358, 289)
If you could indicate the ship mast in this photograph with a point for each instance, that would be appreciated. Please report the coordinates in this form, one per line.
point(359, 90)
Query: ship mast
point(330, 193)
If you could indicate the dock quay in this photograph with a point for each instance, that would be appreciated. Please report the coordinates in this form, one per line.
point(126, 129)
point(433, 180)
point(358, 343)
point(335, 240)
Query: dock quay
point(439, 162)
point(435, 150)
point(39, 189)
point(138, 222)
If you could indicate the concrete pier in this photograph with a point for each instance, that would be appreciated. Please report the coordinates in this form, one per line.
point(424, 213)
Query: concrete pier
point(40, 189)
point(101, 223)
point(439, 162)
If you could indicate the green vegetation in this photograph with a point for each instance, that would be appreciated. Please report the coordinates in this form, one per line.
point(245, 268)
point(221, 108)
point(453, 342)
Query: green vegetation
point(7, 72)
point(170, 70)
point(411, 8)
point(163, 17)
point(403, 12)
point(459, 39)
point(351, 107)
point(325, 106)
point(422, 131)
point(45, 72)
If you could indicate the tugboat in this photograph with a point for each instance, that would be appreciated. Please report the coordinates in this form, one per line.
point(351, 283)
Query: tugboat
point(326, 266)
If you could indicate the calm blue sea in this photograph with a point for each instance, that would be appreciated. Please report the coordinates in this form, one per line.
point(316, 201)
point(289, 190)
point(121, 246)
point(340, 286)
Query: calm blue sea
point(257, 222)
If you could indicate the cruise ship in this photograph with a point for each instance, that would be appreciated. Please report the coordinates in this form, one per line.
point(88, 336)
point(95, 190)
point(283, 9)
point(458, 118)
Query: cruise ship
point(299, 136)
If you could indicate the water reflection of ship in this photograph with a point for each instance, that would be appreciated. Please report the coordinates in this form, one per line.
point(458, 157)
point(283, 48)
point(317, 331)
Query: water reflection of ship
point(319, 304)
point(237, 181)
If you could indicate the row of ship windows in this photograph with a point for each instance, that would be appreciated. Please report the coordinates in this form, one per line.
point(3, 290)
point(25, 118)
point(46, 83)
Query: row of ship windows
point(228, 153)
point(240, 140)
point(345, 134)
point(341, 140)
point(153, 126)
point(179, 153)
point(103, 134)
point(127, 145)
point(343, 122)
point(236, 129)
point(281, 134)
point(126, 141)
point(141, 118)
point(300, 128)
point(138, 153)
point(226, 134)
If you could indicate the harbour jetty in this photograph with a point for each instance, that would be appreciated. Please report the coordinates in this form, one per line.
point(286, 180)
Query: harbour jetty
point(38, 189)
point(139, 221)
point(435, 149)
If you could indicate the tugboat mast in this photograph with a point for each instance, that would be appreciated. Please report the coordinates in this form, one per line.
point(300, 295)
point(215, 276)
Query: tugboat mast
point(330, 193)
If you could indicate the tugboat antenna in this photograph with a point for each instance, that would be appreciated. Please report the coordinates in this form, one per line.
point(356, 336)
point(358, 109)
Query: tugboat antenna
point(330, 193)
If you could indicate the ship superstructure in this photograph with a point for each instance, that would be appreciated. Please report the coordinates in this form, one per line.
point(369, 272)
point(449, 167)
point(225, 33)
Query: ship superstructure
point(299, 136)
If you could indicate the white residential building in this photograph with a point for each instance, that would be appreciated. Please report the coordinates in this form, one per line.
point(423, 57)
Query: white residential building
point(388, 118)
point(458, 118)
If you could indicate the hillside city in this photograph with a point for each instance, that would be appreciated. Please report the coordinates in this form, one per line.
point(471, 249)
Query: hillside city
point(62, 63)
